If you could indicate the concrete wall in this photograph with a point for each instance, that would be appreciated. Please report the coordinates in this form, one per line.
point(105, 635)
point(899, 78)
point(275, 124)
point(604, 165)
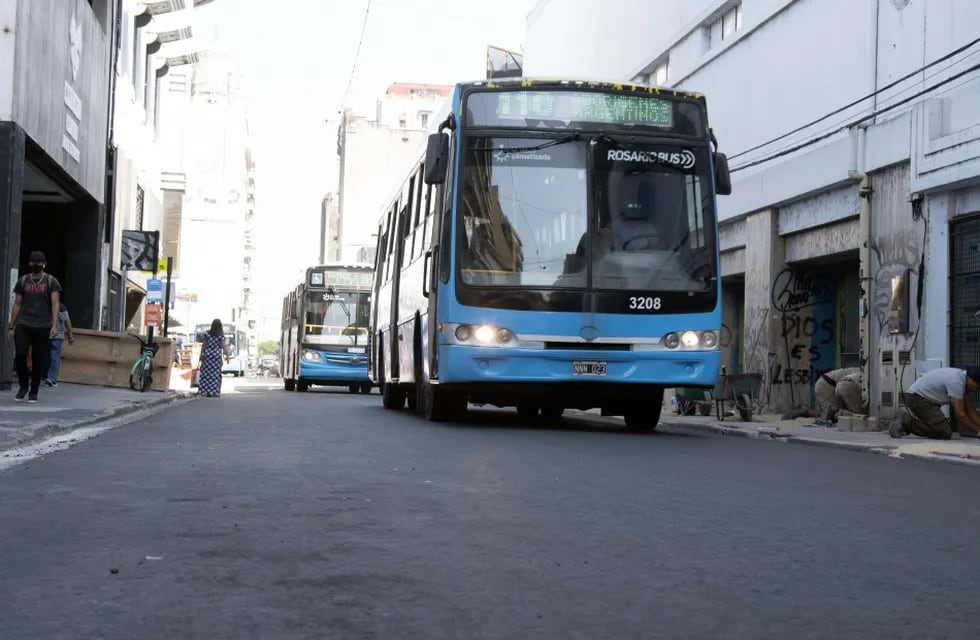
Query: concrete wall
point(52, 37)
point(8, 53)
point(374, 162)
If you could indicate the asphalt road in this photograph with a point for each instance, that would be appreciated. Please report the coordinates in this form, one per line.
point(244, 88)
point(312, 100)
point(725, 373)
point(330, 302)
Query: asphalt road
point(321, 515)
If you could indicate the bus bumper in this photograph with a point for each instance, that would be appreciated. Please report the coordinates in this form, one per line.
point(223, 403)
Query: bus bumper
point(333, 373)
point(467, 365)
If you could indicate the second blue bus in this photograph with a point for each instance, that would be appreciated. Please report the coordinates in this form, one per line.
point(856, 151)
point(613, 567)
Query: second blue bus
point(325, 329)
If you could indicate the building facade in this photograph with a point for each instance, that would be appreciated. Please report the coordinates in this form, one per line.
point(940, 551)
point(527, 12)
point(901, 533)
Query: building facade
point(154, 53)
point(214, 246)
point(55, 59)
point(373, 154)
point(853, 132)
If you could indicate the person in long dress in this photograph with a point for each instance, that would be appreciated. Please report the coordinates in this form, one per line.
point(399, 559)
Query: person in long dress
point(212, 361)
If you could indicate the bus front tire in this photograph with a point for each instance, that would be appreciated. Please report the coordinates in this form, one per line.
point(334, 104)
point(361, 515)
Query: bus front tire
point(527, 411)
point(302, 387)
point(645, 418)
point(353, 388)
point(438, 405)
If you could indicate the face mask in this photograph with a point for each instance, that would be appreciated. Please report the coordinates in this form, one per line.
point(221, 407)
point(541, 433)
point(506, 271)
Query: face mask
point(36, 268)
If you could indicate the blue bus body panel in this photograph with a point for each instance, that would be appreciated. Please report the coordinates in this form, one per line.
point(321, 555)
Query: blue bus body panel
point(465, 363)
point(335, 368)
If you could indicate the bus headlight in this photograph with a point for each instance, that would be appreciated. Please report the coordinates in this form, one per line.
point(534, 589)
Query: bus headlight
point(672, 340)
point(311, 356)
point(690, 339)
point(484, 335)
point(709, 340)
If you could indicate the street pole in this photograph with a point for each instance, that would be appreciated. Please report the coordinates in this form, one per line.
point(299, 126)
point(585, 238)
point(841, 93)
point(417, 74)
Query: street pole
point(149, 329)
point(166, 297)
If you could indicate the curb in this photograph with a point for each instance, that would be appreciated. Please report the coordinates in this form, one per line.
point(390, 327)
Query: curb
point(49, 430)
point(756, 434)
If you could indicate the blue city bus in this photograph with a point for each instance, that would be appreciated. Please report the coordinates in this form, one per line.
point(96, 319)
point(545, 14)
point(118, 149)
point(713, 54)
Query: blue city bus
point(325, 329)
point(554, 246)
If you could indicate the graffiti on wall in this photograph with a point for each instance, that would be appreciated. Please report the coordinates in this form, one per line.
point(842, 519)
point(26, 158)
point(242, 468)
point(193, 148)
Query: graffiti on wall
point(893, 255)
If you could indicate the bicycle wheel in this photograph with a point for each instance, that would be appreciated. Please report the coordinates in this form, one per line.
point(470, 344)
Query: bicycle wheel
point(146, 375)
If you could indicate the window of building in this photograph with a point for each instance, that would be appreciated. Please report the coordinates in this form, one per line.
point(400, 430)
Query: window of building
point(731, 21)
point(402, 122)
point(424, 118)
point(660, 73)
point(415, 93)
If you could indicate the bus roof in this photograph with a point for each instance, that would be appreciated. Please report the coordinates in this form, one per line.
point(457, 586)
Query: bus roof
point(565, 83)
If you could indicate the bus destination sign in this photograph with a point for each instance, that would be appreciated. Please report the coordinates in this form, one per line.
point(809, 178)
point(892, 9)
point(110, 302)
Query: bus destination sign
point(570, 106)
point(323, 278)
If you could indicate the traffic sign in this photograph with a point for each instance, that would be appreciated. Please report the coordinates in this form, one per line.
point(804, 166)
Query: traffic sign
point(152, 316)
point(154, 291)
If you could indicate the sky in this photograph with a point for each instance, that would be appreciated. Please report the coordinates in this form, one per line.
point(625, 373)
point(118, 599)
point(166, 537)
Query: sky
point(296, 57)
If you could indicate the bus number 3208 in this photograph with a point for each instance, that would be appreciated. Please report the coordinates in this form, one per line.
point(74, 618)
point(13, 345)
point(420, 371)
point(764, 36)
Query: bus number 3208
point(644, 303)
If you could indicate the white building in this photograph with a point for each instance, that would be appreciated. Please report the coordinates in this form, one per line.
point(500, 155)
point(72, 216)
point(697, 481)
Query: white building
point(806, 97)
point(373, 153)
point(216, 245)
point(150, 92)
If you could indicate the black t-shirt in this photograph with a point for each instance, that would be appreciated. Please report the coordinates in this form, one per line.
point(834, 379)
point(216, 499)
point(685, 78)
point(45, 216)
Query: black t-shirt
point(35, 306)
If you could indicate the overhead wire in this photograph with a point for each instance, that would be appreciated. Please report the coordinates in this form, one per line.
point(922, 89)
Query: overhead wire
point(787, 151)
point(844, 108)
point(357, 53)
point(835, 128)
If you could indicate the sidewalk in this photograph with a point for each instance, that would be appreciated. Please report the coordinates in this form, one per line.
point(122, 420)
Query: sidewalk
point(803, 430)
point(68, 407)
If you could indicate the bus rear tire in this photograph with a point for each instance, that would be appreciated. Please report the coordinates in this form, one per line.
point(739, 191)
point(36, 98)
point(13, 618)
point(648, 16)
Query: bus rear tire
point(392, 398)
point(527, 411)
point(353, 388)
point(289, 384)
point(302, 387)
point(366, 388)
point(552, 414)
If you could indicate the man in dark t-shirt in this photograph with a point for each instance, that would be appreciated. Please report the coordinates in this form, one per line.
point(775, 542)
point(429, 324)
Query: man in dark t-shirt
point(34, 321)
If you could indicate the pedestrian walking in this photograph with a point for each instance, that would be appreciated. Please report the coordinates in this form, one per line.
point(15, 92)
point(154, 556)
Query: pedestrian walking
point(940, 387)
point(33, 323)
point(839, 389)
point(212, 361)
point(65, 331)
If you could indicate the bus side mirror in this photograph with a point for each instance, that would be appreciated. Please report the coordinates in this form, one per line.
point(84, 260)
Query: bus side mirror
point(723, 177)
point(436, 158)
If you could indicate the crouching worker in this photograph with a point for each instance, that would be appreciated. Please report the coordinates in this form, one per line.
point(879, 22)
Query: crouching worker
point(940, 387)
point(839, 389)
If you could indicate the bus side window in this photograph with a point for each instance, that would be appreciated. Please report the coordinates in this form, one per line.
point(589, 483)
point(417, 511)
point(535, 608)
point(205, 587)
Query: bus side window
point(418, 238)
point(392, 237)
point(427, 220)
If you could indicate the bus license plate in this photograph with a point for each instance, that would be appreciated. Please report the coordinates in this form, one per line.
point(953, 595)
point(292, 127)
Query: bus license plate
point(589, 367)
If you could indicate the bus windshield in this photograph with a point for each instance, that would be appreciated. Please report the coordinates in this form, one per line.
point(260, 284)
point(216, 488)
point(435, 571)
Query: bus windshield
point(334, 317)
point(527, 221)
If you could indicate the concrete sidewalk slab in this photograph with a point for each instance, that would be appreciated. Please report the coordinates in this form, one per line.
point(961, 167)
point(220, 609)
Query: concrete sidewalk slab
point(68, 407)
point(805, 431)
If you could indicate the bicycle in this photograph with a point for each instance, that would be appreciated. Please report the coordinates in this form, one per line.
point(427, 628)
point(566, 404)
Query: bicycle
point(141, 373)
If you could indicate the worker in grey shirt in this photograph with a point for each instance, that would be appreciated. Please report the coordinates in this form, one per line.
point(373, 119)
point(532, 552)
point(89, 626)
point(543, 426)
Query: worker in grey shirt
point(940, 387)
